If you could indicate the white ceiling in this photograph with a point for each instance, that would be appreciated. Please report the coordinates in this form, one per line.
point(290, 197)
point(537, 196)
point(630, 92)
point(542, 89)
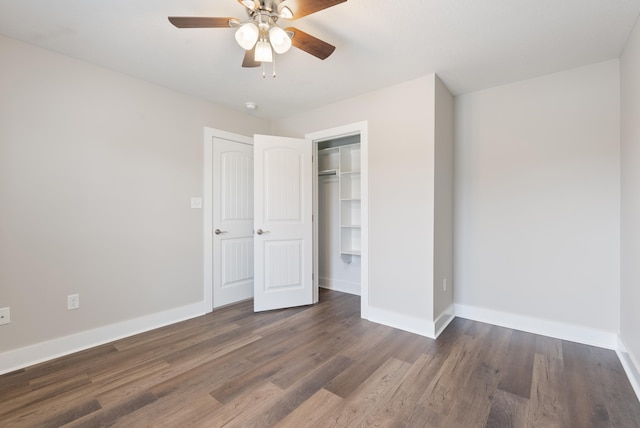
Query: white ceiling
point(470, 44)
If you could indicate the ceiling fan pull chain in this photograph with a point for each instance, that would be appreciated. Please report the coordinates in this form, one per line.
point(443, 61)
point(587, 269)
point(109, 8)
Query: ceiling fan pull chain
point(263, 72)
point(274, 65)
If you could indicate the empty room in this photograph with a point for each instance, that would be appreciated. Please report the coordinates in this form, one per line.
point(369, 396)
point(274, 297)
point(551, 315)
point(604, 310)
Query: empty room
point(301, 213)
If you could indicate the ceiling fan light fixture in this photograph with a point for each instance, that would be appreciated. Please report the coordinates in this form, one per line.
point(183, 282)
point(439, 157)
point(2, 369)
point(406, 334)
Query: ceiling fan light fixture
point(249, 4)
point(279, 39)
point(286, 13)
point(247, 35)
point(263, 52)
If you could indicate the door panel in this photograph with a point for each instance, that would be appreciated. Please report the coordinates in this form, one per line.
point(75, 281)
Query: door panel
point(232, 222)
point(283, 222)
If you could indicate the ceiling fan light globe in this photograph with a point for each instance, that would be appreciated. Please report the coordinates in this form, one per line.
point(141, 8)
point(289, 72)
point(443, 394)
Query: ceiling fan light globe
point(279, 39)
point(286, 13)
point(247, 35)
point(249, 4)
point(263, 52)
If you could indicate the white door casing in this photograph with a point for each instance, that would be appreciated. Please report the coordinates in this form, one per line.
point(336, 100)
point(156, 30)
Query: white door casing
point(232, 221)
point(283, 208)
point(362, 129)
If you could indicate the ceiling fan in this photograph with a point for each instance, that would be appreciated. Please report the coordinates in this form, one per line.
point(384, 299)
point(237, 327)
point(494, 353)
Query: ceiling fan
point(259, 35)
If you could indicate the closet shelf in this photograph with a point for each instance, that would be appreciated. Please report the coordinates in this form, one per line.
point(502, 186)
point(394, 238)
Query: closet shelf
point(327, 172)
point(351, 252)
point(344, 161)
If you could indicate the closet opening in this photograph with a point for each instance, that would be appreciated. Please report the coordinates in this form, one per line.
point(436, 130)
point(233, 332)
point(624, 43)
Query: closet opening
point(339, 221)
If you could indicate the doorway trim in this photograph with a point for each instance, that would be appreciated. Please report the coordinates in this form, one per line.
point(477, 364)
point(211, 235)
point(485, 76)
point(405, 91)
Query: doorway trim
point(207, 206)
point(359, 128)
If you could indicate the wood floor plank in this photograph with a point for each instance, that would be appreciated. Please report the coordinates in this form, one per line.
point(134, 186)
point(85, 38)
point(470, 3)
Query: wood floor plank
point(300, 392)
point(322, 365)
point(476, 381)
point(138, 380)
point(246, 381)
point(615, 385)
point(422, 417)
point(373, 391)
point(371, 355)
point(52, 416)
point(307, 362)
point(13, 385)
point(518, 369)
point(507, 410)
point(33, 399)
point(244, 407)
point(108, 416)
point(586, 397)
point(312, 411)
point(549, 347)
point(548, 403)
point(207, 376)
point(173, 411)
point(398, 409)
point(441, 392)
point(75, 362)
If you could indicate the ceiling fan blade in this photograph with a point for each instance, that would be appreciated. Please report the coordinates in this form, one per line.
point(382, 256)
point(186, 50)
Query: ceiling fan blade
point(301, 8)
point(202, 22)
point(308, 43)
point(249, 59)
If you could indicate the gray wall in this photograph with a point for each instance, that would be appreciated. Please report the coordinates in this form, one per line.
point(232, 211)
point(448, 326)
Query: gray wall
point(537, 198)
point(96, 174)
point(630, 136)
point(401, 188)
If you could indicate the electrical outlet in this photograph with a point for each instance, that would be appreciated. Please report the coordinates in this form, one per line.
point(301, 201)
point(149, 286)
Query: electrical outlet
point(5, 315)
point(73, 301)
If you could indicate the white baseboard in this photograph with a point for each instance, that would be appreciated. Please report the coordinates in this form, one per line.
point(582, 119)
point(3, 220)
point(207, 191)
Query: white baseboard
point(443, 320)
point(558, 330)
point(403, 322)
point(33, 354)
point(630, 365)
point(338, 285)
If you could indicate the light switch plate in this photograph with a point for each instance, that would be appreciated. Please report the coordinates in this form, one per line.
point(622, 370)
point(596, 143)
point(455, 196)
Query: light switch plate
point(196, 202)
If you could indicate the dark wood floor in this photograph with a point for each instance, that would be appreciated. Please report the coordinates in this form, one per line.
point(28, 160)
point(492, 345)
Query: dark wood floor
point(323, 366)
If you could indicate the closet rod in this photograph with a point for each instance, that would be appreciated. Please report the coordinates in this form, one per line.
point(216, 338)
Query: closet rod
point(331, 172)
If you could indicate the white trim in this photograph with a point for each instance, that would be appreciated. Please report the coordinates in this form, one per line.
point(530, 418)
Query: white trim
point(558, 330)
point(340, 285)
point(33, 354)
point(403, 322)
point(444, 320)
point(207, 206)
point(344, 131)
point(630, 365)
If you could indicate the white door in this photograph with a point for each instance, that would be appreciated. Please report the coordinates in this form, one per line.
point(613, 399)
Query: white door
point(232, 221)
point(283, 208)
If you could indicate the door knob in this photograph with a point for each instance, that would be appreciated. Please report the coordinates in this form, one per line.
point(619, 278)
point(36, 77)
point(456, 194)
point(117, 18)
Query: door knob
point(218, 231)
point(260, 231)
